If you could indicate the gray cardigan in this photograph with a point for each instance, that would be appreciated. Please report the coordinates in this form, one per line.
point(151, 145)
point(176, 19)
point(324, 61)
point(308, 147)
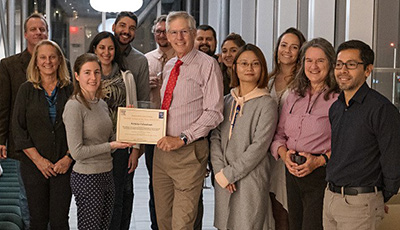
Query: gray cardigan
point(245, 162)
point(88, 136)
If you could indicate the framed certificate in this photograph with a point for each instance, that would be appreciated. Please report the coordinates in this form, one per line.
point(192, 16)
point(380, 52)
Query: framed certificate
point(141, 126)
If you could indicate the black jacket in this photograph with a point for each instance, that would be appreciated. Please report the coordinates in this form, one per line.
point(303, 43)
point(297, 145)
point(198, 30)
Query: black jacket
point(32, 126)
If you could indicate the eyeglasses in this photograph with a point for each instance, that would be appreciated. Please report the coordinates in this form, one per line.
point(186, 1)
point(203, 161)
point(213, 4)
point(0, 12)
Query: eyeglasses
point(245, 64)
point(159, 32)
point(183, 33)
point(349, 64)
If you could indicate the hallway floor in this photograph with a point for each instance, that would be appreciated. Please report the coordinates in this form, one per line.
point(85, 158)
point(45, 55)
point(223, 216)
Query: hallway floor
point(140, 219)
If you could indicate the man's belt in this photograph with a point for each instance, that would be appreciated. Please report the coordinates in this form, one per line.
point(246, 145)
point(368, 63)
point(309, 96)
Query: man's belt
point(352, 190)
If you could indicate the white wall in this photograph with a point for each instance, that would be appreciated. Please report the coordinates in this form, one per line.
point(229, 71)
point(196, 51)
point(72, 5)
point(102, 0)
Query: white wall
point(243, 19)
point(321, 19)
point(286, 14)
point(265, 29)
point(360, 22)
point(254, 20)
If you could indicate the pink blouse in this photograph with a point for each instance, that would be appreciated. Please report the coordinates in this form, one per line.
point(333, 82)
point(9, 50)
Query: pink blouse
point(304, 124)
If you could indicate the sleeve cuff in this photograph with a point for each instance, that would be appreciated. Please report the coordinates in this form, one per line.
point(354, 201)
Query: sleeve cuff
point(221, 179)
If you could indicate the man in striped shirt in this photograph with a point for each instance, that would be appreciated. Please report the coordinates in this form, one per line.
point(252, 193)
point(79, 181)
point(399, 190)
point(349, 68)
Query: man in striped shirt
point(180, 158)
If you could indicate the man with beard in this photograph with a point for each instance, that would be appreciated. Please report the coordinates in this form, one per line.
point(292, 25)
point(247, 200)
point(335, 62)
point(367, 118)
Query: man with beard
point(363, 172)
point(156, 59)
point(12, 75)
point(124, 29)
point(206, 40)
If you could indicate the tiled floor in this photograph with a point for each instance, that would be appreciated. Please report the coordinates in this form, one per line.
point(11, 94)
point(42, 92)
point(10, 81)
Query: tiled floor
point(140, 219)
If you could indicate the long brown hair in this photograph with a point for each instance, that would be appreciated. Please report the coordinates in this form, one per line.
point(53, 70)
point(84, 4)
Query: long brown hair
point(80, 61)
point(277, 65)
point(301, 83)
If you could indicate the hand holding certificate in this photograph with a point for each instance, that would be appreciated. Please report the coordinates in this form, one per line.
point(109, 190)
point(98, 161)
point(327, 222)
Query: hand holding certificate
point(141, 126)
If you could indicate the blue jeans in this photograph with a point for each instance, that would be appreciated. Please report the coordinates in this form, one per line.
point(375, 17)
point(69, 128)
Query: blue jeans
point(123, 182)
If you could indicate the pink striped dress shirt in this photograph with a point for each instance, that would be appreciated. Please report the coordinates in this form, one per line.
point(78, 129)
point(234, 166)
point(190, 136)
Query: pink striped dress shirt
point(197, 100)
point(304, 124)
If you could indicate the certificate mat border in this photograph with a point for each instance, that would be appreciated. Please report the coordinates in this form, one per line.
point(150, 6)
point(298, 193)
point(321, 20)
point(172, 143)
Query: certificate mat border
point(152, 110)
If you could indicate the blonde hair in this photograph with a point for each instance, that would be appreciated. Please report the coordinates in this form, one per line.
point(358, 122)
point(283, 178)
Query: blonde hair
point(33, 74)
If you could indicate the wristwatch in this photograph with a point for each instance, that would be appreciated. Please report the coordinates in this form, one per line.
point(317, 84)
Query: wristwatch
point(326, 159)
point(184, 138)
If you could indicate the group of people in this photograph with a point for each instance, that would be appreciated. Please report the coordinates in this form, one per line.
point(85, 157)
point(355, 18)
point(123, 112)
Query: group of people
point(306, 146)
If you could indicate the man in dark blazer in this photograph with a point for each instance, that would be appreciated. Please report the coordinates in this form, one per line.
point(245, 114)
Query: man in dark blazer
point(12, 75)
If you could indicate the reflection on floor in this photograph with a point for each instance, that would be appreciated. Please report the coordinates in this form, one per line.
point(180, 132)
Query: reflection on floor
point(140, 219)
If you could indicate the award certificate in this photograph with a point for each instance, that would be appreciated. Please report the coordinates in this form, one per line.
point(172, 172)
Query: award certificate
point(141, 126)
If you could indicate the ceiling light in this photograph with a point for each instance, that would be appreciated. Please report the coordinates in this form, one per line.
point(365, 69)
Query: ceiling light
point(116, 6)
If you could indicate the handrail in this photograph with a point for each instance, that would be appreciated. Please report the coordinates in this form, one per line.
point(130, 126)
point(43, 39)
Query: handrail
point(385, 70)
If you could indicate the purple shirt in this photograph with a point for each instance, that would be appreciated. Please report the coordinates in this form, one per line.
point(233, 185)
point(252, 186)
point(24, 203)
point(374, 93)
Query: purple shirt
point(304, 124)
point(197, 100)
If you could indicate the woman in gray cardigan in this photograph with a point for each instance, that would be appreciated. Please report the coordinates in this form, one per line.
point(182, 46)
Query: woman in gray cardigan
point(240, 143)
point(89, 135)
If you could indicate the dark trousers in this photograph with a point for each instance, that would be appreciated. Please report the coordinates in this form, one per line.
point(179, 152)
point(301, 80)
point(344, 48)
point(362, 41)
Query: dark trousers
point(123, 181)
point(94, 197)
point(305, 199)
point(48, 199)
point(149, 153)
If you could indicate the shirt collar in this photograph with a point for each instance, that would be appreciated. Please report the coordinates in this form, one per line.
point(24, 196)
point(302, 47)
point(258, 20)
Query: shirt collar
point(127, 50)
point(170, 53)
point(188, 58)
point(358, 96)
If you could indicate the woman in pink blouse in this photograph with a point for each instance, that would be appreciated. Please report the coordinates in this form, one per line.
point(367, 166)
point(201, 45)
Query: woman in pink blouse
point(303, 136)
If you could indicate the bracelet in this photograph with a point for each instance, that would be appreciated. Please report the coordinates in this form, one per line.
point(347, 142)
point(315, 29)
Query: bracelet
point(326, 159)
point(69, 155)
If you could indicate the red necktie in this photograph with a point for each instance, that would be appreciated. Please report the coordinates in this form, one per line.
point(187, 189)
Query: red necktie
point(173, 77)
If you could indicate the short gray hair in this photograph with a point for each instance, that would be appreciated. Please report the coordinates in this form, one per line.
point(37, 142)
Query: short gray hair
point(181, 14)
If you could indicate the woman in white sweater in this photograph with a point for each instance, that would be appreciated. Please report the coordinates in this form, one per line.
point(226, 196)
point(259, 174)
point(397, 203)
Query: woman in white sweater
point(89, 135)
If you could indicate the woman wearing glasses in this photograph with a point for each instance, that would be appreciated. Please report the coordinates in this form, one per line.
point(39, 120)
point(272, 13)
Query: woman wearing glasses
point(238, 152)
point(303, 136)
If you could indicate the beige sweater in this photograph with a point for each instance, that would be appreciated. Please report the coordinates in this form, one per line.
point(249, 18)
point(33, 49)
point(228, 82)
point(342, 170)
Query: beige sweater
point(88, 136)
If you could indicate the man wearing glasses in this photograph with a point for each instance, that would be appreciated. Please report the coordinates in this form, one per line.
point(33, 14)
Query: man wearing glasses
point(364, 169)
point(192, 94)
point(157, 60)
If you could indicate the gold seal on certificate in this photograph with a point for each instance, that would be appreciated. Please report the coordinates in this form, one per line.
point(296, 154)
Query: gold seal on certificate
point(141, 126)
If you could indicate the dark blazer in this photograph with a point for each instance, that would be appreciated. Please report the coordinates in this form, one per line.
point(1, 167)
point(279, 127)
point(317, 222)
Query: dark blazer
point(12, 75)
point(32, 126)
